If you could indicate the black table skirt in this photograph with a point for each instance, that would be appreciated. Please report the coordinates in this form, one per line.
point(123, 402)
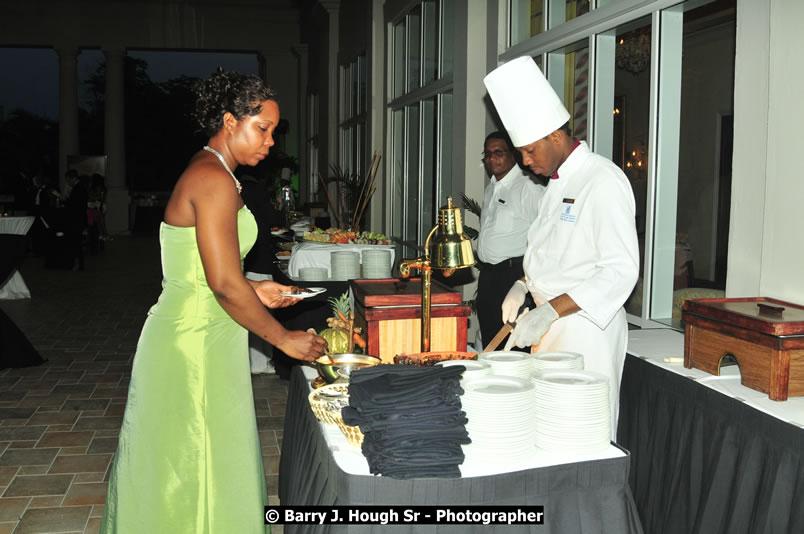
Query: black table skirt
point(586, 497)
point(706, 463)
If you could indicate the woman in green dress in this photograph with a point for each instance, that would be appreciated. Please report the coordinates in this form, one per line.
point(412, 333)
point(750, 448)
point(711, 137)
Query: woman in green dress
point(189, 457)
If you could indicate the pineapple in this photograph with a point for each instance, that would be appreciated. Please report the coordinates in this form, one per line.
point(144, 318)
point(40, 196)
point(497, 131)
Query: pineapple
point(340, 307)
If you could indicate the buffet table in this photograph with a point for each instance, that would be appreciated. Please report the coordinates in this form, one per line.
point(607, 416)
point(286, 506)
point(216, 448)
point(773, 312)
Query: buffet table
point(315, 254)
point(14, 287)
point(318, 468)
point(708, 454)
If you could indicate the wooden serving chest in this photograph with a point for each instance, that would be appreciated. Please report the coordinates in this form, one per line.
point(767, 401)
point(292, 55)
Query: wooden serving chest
point(390, 310)
point(764, 335)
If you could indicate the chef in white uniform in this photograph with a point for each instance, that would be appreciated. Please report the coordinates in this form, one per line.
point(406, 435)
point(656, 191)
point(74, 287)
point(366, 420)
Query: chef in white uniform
point(582, 259)
point(510, 201)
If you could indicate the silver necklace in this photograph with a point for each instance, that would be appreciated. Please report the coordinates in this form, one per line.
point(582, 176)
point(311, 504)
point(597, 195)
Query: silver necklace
point(225, 166)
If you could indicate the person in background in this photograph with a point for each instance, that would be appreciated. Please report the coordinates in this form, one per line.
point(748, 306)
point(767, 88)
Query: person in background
point(189, 457)
point(75, 205)
point(45, 197)
point(510, 204)
point(260, 262)
point(582, 258)
point(96, 213)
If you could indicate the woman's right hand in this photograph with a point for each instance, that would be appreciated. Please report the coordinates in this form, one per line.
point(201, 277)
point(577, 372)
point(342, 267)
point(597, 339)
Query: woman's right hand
point(303, 346)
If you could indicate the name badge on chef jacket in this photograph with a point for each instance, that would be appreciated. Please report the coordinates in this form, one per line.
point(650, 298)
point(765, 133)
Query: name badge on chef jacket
point(567, 210)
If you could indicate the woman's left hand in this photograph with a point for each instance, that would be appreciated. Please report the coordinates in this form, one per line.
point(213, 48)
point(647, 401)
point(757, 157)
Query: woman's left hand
point(269, 293)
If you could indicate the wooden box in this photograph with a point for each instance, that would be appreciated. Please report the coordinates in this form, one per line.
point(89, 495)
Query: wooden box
point(765, 336)
point(390, 310)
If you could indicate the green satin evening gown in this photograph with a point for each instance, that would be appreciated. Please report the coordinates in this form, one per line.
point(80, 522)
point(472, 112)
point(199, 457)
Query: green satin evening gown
point(189, 458)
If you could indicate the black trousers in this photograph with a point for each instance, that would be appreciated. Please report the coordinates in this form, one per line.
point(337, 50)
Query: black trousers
point(492, 286)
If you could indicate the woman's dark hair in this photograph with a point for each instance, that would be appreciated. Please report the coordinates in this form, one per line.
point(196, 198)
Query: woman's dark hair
point(239, 94)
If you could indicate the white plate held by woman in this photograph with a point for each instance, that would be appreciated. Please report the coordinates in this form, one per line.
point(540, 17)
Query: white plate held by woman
point(306, 292)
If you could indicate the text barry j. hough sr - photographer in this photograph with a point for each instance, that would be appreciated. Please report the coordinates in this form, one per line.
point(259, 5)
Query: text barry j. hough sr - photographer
point(402, 515)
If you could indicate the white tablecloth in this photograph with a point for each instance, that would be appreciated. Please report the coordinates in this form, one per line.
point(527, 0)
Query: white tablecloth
point(313, 254)
point(14, 287)
point(656, 345)
point(351, 460)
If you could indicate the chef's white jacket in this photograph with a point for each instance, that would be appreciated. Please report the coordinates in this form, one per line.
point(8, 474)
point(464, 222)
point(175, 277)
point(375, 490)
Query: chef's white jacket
point(584, 243)
point(510, 206)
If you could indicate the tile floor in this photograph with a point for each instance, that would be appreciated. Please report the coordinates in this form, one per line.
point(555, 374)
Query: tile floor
point(59, 422)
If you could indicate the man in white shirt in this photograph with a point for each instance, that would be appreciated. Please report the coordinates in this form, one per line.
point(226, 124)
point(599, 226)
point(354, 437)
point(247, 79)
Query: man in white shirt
point(510, 205)
point(582, 258)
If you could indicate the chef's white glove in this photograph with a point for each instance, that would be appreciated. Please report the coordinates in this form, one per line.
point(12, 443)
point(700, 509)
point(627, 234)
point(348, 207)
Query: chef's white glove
point(531, 326)
point(513, 301)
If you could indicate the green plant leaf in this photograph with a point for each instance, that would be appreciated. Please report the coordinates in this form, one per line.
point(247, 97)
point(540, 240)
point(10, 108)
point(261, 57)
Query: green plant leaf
point(471, 205)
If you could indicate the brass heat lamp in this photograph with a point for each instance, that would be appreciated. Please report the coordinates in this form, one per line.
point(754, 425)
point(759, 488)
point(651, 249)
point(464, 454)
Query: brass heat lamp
point(451, 250)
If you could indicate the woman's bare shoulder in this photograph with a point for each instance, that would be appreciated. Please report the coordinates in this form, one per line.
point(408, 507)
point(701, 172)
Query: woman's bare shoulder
point(202, 183)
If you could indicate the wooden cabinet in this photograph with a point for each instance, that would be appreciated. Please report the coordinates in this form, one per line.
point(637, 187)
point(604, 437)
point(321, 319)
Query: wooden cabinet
point(389, 310)
point(765, 336)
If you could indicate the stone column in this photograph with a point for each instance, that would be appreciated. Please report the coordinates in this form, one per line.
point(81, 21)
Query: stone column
point(117, 199)
point(68, 107)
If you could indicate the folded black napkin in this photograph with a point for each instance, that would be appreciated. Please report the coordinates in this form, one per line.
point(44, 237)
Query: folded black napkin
point(411, 418)
point(439, 417)
point(422, 387)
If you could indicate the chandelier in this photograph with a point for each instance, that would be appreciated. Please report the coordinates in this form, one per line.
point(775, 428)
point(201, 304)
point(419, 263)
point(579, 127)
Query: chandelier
point(633, 51)
point(636, 163)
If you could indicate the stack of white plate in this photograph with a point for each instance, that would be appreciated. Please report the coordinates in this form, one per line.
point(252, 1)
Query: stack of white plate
point(509, 363)
point(572, 411)
point(377, 263)
point(345, 265)
point(301, 226)
point(309, 274)
point(499, 410)
point(474, 369)
point(550, 361)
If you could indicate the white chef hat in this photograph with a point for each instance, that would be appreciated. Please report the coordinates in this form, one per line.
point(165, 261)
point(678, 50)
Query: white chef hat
point(528, 106)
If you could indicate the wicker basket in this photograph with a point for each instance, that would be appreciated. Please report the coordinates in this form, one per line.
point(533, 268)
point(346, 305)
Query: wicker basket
point(353, 433)
point(326, 409)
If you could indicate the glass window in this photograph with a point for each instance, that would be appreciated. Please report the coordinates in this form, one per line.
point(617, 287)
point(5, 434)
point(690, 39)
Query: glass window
point(414, 48)
point(444, 183)
point(361, 149)
point(345, 96)
point(399, 58)
point(362, 106)
point(447, 15)
point(354, 108)
point(412, 189)
point(631, 121)
point(347, 135)
point(428, 167)
point(526, 19)
point(312, 146)
point(705, 147)
point(667, 125)
point(574, 8)
point(569, 75)
point(397, 168)
point(430, 53)
point(353, 137)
